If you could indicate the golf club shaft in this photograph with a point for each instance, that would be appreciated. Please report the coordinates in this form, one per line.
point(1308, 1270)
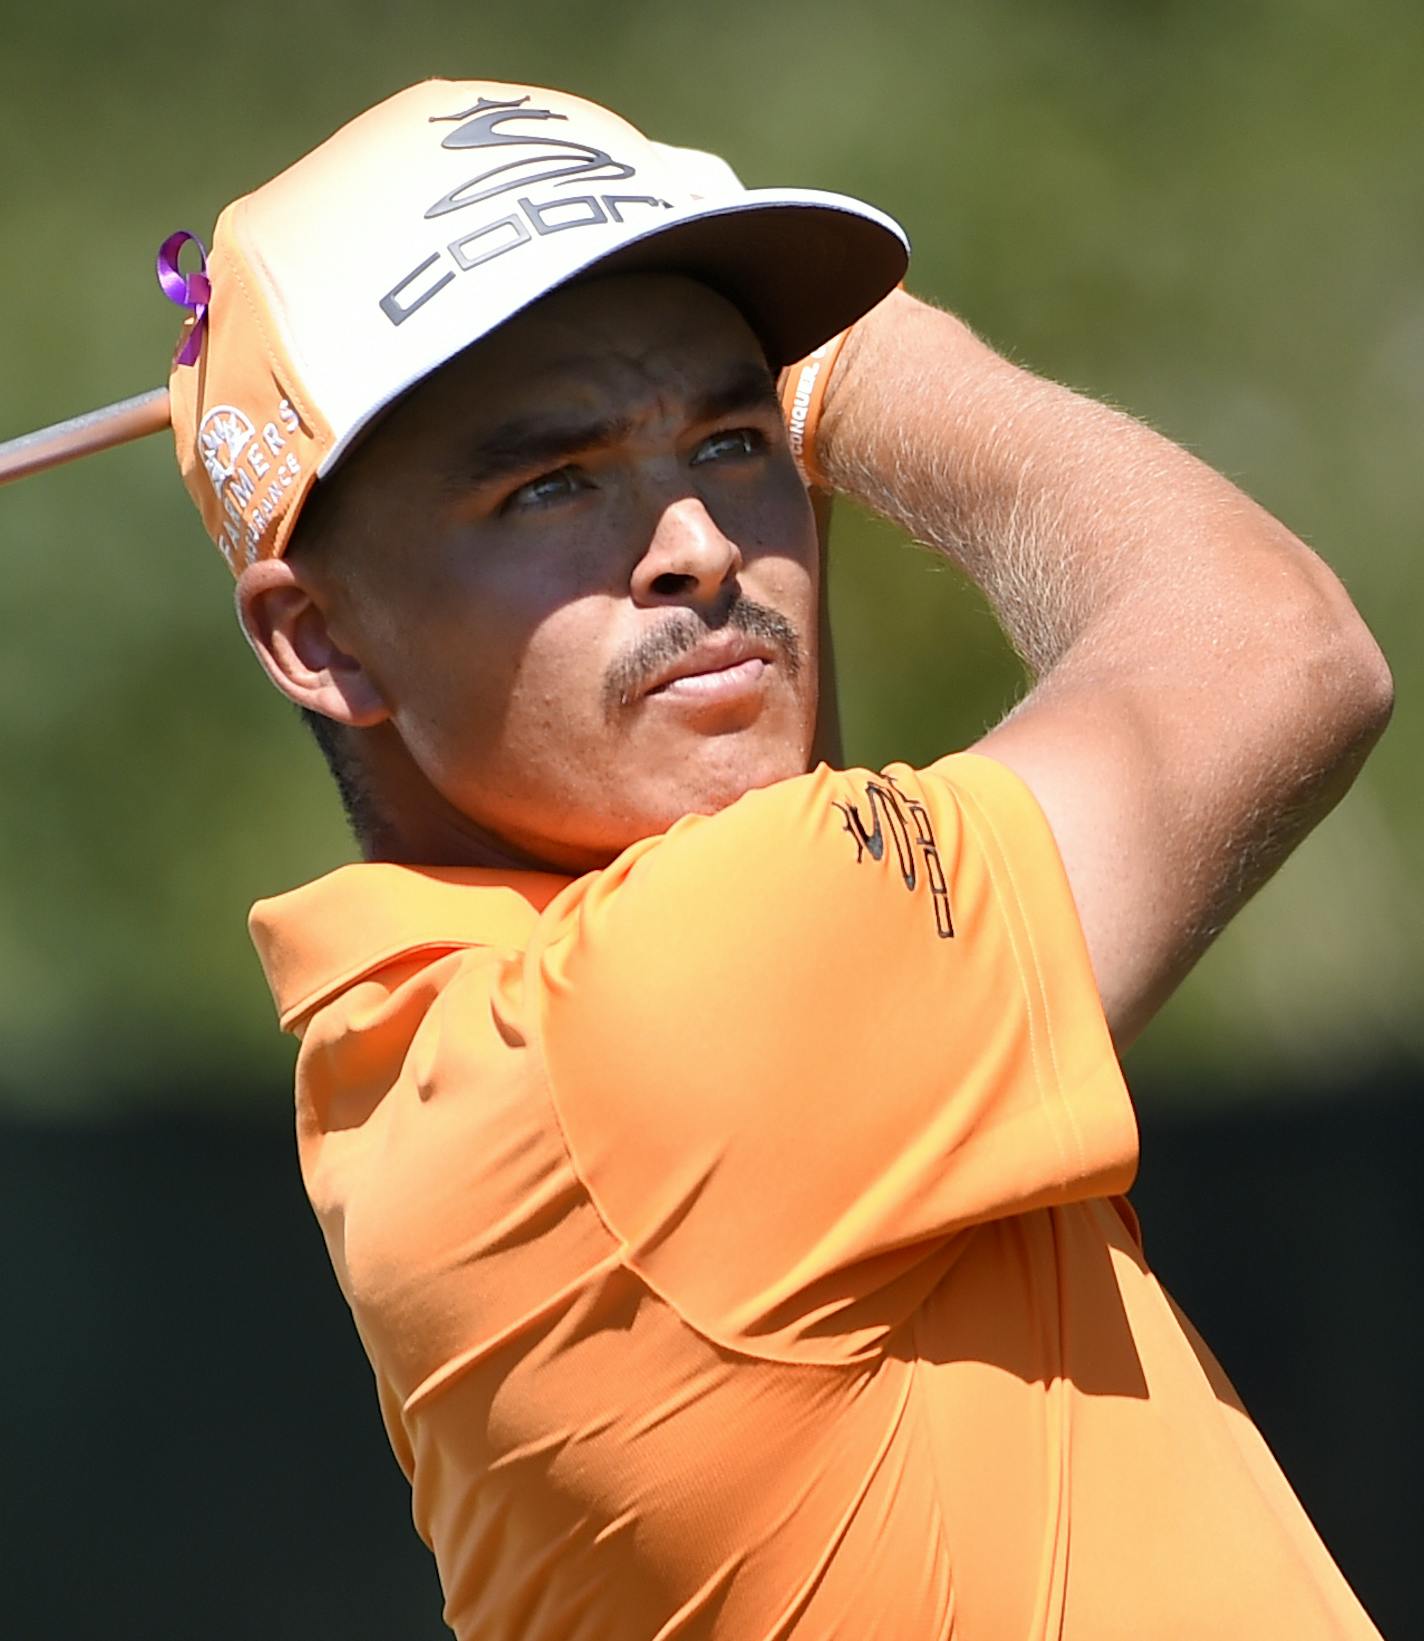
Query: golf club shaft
point(82, 435)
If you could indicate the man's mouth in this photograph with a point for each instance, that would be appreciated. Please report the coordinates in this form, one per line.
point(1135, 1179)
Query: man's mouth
point(723, 681)
point(725, 665)
point(689, 660)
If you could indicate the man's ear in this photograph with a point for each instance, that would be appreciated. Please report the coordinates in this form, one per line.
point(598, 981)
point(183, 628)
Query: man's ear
point(288, 631)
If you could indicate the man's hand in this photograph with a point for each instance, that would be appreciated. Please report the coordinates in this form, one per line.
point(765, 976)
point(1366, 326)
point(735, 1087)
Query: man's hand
point(1205, 691)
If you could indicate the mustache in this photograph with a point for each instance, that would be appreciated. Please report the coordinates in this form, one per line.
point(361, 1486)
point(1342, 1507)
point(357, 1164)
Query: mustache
point(682, 632)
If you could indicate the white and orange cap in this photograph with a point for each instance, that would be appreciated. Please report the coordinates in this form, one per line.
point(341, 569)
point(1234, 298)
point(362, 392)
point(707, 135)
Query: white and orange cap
point(426, 222)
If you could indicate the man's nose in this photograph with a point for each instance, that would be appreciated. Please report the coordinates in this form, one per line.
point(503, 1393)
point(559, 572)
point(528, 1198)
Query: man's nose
point(688, 559)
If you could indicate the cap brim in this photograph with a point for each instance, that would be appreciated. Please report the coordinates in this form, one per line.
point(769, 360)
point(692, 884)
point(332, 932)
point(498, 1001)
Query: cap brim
point(799, 264)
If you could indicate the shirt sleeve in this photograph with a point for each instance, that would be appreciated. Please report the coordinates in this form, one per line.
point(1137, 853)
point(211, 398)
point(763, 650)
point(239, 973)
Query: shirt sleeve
point(795, 1047)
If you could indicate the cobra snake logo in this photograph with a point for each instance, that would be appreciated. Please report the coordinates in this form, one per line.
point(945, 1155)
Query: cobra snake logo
point(484, 126)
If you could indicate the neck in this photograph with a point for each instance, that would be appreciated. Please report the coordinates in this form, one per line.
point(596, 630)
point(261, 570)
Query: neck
point(403, 820)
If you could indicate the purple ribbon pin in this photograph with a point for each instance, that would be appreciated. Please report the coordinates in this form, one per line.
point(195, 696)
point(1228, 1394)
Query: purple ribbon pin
point(191, 291)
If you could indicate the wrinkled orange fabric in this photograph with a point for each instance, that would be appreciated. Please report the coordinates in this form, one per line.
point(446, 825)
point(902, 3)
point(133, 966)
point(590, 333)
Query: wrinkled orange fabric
point(736, 1235)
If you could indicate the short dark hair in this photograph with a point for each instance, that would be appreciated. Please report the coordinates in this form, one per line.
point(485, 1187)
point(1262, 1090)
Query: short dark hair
point(316, 528)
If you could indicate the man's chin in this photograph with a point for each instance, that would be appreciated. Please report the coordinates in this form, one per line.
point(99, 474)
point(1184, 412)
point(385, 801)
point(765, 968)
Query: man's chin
point(706, 784)
point(592, 827)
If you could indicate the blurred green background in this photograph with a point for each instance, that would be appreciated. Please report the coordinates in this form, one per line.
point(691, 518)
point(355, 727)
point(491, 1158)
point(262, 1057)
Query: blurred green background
point(1209, 213)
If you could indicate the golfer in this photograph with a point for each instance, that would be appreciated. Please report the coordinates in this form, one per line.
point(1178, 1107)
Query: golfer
point(723, 1152)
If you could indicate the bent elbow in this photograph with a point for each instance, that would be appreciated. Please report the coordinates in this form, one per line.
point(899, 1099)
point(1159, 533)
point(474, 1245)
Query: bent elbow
point(1378, 704)
point(1369, 683)
point(1355, 689)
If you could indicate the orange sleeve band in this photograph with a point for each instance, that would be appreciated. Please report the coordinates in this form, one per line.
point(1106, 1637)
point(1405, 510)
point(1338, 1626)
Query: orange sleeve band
point(803, 391)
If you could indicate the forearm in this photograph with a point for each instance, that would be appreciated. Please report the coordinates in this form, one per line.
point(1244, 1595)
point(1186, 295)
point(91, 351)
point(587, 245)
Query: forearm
point(1067, 513)
point(1193, 659)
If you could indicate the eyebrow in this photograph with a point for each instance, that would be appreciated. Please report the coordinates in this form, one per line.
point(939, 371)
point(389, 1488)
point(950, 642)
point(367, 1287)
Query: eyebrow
point(526, 443)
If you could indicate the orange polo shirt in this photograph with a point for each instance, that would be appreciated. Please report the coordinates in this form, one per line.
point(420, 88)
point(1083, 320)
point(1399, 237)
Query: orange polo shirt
point(736, 1237)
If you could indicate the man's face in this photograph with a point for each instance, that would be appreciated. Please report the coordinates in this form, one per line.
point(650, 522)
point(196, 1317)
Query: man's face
point(581, 569)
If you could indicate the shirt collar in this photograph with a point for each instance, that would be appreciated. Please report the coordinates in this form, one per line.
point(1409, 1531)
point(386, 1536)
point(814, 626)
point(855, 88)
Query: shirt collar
point(316, 941)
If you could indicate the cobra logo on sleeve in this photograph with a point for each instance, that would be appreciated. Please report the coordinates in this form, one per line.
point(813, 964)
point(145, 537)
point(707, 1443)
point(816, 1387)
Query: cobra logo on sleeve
point(906, 822)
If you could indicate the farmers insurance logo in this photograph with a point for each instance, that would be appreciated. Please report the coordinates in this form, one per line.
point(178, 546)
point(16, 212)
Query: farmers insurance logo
point(251, 471)
point(224, 433)
point(518, 159)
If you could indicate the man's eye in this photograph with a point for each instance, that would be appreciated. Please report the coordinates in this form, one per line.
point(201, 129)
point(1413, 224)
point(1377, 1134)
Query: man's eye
point(733, 442)
point(548, 488)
